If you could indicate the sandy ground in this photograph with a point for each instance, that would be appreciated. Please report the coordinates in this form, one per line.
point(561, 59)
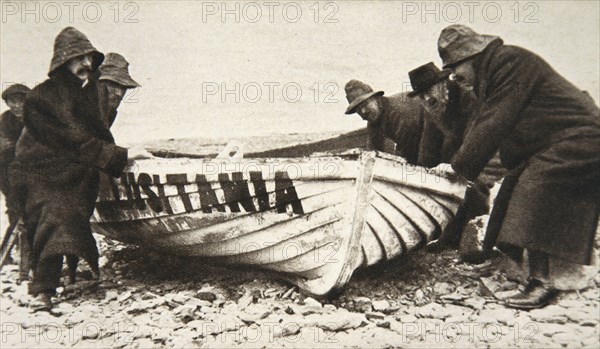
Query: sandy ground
point(420, 300)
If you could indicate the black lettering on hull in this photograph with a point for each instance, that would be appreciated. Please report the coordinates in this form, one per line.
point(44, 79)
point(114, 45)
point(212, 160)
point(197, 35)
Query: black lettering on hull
point(236, 191)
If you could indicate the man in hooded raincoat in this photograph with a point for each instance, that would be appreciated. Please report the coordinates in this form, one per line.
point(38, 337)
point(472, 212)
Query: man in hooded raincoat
point(58, 156)
point(548, 134)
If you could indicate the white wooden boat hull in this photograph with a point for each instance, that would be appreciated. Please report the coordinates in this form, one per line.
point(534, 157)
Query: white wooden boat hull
point(313, 220)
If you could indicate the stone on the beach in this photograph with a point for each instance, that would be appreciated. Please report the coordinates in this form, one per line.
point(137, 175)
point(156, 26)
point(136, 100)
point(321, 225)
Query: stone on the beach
point(381, 305)
point(311, 302)
point(565, 339)
point(124, 296)
point(433, 311)
point(111, 295)
point(160, 334)
point(547, 330)
point(408, 318)
point(374, 315)
point(219, 323)
point(476, 303)
point(136, 307)
point(206, 296)
point(289, 329)
point(490, 285)
point(442, 288)
point(337, 322)
point(245, 301)
point(454, 296)
point(198, 302)
point(185, 312)
point(208, 310)
point(551, 313)
point(363, 304)
point(329, 307)
point(503, 315)
point(255, 312)
point(180, 298)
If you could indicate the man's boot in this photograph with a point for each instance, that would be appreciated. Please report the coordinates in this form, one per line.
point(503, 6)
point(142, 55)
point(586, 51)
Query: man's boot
point(42, 302)
point(538, 292)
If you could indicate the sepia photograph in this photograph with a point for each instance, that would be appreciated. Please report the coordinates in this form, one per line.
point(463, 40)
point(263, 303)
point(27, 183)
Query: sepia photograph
point(300, 174)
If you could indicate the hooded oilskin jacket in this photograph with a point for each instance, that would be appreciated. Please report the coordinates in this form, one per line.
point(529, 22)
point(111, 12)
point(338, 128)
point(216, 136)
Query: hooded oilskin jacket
point(526, 106)
point(58, 156)
point(548, 134)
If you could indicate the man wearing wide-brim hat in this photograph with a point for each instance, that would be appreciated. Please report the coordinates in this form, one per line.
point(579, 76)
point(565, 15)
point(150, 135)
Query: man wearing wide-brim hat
point(451, 108)
point(58, 156)
point(113, 82)
point(548, 135)
point(399, 118)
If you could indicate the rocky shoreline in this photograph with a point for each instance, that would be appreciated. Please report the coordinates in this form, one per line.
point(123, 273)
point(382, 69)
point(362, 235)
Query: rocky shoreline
point(145, 299)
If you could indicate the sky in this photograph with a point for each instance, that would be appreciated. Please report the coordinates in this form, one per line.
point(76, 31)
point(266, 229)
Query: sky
point(229, 69)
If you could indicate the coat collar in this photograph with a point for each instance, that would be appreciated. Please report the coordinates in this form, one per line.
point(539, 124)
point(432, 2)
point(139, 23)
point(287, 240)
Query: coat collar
point(482, 67)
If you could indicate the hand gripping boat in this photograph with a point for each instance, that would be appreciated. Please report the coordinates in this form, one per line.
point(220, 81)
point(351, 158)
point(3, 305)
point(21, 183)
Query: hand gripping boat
point(312, 220)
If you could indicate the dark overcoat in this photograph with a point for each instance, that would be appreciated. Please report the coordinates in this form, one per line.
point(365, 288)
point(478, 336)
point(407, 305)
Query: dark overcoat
point(404, 121)
point(10, 130)
point(548, 135)
point(58, 157)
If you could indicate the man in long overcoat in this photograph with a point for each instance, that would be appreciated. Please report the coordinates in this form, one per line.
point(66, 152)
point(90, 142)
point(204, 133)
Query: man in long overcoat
point(11, 126)
point(451, 108)
point(58, 156)
point(399, 118)
point(548, 134)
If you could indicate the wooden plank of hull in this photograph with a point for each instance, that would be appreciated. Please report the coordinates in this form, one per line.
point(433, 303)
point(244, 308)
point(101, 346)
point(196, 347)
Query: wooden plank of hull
point(372, 250)
point(406, 175)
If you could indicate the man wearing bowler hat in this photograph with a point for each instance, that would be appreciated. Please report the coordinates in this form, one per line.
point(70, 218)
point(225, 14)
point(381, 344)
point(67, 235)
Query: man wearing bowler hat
point(451, 109)
point(548, 135)
point(400, 118)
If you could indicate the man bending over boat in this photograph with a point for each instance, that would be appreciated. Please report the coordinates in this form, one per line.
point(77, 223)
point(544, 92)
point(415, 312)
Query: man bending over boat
point(58, 157)
point(548, 134)
point(400, 118)
point(451, 109)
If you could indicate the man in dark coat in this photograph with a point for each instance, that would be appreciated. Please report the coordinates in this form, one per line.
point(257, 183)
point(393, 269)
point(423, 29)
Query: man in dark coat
point(11, 125)
point(113, 82)
point(451, 109)
point(399, 118)
point(58, 156)
point(548, 135)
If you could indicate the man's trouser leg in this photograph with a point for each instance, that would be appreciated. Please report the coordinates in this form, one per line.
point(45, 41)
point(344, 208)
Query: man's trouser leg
point(25, 253)
point(47, 275)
